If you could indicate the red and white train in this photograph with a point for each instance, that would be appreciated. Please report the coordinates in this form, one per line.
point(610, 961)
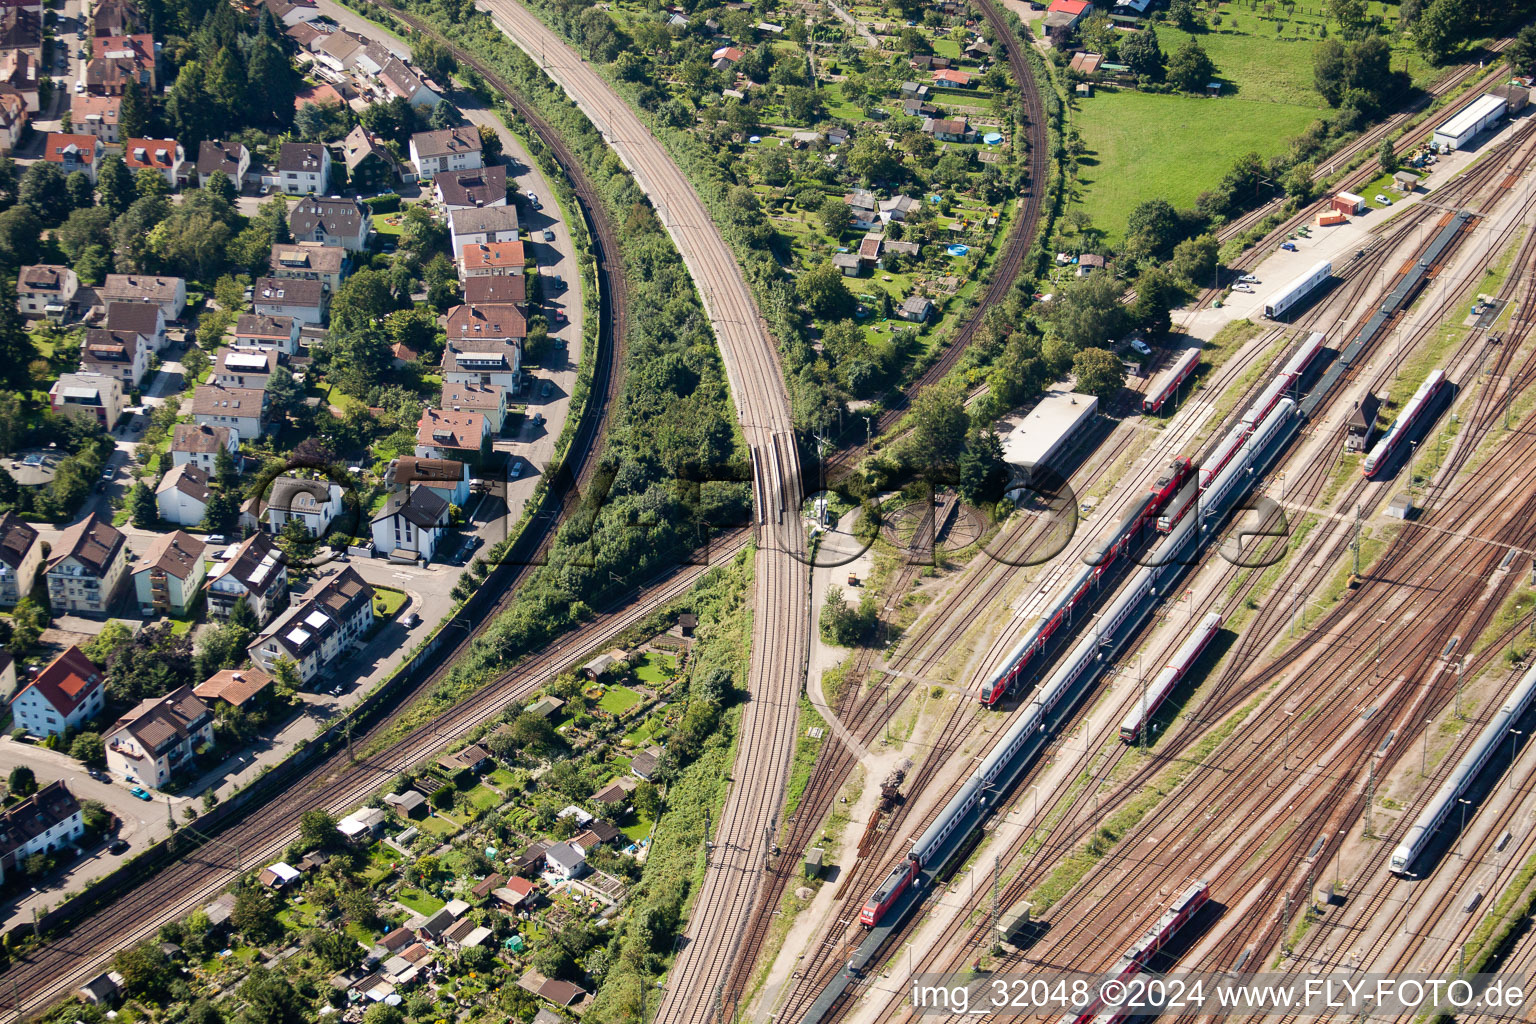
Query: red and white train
point(1406, 422)
point(1104, 555)
point(1168, 386)
point(1168, 679)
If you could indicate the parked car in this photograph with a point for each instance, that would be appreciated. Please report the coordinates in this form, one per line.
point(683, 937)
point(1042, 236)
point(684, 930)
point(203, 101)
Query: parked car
point(1288, 246)
point(545, 389)
point(1248, 279)
point(411, 621)
point(559, 316)
point(138, 792)
point(533, 199)
point(549, 234)
point(108, 473)
point(118, 846)
point(516, 469)
point(557, 282)
point(98, 775)
point(1141, 347)
point(1383, 200)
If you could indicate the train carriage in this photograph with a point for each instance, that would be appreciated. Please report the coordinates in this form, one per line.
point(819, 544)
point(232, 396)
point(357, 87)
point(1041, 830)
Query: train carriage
point(1406, 423)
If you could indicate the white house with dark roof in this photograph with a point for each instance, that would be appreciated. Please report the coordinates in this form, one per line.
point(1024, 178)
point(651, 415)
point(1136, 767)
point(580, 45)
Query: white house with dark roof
point(48, 820)
point(198, 444)
point(305, 301)
point(159, 736)
point(401, 82)
point(182, 495)
point(328, 623)
point(449, 478)
point(21, 555)
point(244, 368)
point(64, 695)
point(244, 409)
point(46, 289)
point(255, 570)
point(487, 359)
point(314, 503)
point(217, 155)
point(146, 319)
point(87, 567)
point(303, 168)
point(92, 396)
point(116, 353)
point(450, 149)
point(411, 524)
point(489, 400)
point(471, 188)
point(169, 576)
point(331, 221)
point(260, 331)
point(169, 292)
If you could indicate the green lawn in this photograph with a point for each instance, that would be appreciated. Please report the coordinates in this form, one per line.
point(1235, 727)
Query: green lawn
point(638, 830)
point(387, 601)
point(1144, 146)
point(501, 777)
point(437, 826)
point(618, 699)
point(1260, 68)
point(423, 903)
point(483, 799)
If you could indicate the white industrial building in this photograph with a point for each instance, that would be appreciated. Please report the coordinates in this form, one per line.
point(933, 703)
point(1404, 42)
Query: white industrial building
point(1056, 421)
point(1465, 126)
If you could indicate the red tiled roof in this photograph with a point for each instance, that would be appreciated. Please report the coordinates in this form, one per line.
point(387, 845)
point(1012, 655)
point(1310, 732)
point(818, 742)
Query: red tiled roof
point(67, 682)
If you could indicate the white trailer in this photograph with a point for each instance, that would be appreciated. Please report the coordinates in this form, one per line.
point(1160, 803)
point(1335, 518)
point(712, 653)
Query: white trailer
point(1465, 126)
point(1297, 290)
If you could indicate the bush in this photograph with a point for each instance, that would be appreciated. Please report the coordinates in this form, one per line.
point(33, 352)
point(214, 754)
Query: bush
point(383, 204)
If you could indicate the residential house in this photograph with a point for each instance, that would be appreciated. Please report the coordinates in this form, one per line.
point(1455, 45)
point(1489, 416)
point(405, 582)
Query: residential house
point(643, 765)
point(897, 208)
point(74, 152)
point(315, 504)
point(93, 396)
point(183, 495)
point(20, 28)
point(111, 76)
point(120, 354)
point(146, 319)
point(978, 49)
point(86, 568)
point(293, 12)
point(343, 222)
point(163, 155)
point(370, 166)
point(159, 736)
point(217, 155)
point(304, 168)
point(411, 524)
point(256, 571)
point(949, 78)
point(545, 706)
point(133, 55)
point(244, 368)
point(484, 360)
point(910, 249)
point(310, 261)
point(1088, 262)
point(870, 248)
point(18, 73)
point(597, 833)
point(928, 62)
point(917, 309)
point(400, 82)
point(912, 91)
point(7, 675)
point(482, 226)
point(102, 990)
point(1360, 428)
point(46, 289)
point(48, 820)
point(1076, 10)
point(278, 876)
point(489, 400)
point(448, 478)
point(170, 574)
point(20, 557)
point(363, 824)
point(512, 893)
point(339, 51)
point(616, 792)
point(473, 758)
point(470, 324)
point(491, 259)
point(565, 861)
point(949, 129)
point(471, 188)
point(198, 444)
point(918, 108)
point(236, 687)
point(864, 207)
point(511, 288)
point(116, 18)
point(1087, 63)
point(327, 624)
point(66, 694)
point(725, 58)
point(450, 149)
point(258, 331)
point(444, 434)
point(169, 292)
point(243, 409)
point(305, 301)
point(96, 116)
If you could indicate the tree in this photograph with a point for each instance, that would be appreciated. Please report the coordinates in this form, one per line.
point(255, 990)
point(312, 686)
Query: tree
point(939, 422)
point(870, 161)
point(220, 185)
point(981, 469)
point(147, 972)
point(337, 950)
point(361, 299)
point(80, 190)
point(252, 915)
point(87, 226)
point(28, 620)
point(379, 1013)
point(22, 781)
point(104, 644)
point(1191, 68)
point(1521, 52)
point(134, 114)
point(1086, 312)
point(273, 84)
point(1194, 259)
point(283, 394)
point(646, 801)
point(149, 182)
point(1352, 15)
point(843, 624)
point(114, 184)
point(1185, 16)
point(317, 830)
point(88, 748)
point(1099, 372)
point(142, 509)
point(1152, 228)
point(156, 662)
point(242, 616)
point(835, 216)
point(824, 292)
point(222, 647)
point(1438, 33)
point(44, 189)
point(434, 58)
point(1144, 56)
point(269, 999)
point(20, 238)
point(1157, 292)
point(1386, 157)
point(444, 115)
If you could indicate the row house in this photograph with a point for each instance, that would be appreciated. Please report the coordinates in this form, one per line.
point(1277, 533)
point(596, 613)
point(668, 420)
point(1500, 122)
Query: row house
point(86, 568)
point(216, 155)
point(46, 289)
point(170, 293)
point(89, 396)
point(116, 18)
point(74, 152)
point(244, 368)
point(21, 555)
point(331, 221)
point(326, 625)
point(14, 118)
point(260, 331)
point(159, 737)
point(400, 82)
point(169, 576)
point(115, 353)
point(482, 361)
point(498, 290)
point(66, 694)
point(304, 301)
point(198, 444)
point(254, 571)
point(310, 261)
point(489, 400)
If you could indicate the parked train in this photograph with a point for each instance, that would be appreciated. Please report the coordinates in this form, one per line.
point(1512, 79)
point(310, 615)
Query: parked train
point(1116, 543)
point(1169, 385)
point(1178, 914)
point(1457, 783)
point(1029, 729)
point(1407, 421)
point(1172, 674)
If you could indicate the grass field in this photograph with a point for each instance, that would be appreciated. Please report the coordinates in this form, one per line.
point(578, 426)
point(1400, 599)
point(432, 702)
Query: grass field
point(618, 699)
point(423, 903)
point(1256, 68)
point(387, 601)
point(1144, 146)
point(653, 669)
